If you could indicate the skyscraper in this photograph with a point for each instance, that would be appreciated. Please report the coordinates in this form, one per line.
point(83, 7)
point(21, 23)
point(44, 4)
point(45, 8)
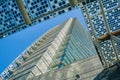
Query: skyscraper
point(67, 49)
point(16, 15)
point(103, 21)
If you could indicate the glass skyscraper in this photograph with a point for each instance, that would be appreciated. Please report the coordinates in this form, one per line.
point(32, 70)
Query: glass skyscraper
point(67, 49)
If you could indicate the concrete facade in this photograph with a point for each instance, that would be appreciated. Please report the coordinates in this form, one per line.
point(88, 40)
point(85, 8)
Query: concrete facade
point(87, 69)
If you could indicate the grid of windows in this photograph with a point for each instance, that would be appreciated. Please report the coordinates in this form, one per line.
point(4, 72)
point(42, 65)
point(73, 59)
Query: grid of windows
point(99, 26)
point(10, 15)
point(37, 7)
point(108, 51)
point(15, 13)
point(113, 17)
point(109, 4)
point(93, 7)
point(87, 21)
point(55, 4)
point(117, 44)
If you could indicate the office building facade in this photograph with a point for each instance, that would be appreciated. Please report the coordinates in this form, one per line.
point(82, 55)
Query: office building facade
point(16, 15)
point(66, 45)
point(103, 21)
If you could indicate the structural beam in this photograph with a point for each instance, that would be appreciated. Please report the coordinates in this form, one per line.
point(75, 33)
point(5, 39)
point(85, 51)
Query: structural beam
point(107, 36)
point(116, 33)
point(104, 37)
point(23, 11)
point(73, 2)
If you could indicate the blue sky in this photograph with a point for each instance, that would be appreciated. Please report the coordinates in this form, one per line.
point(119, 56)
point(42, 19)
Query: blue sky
point(13, 45)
